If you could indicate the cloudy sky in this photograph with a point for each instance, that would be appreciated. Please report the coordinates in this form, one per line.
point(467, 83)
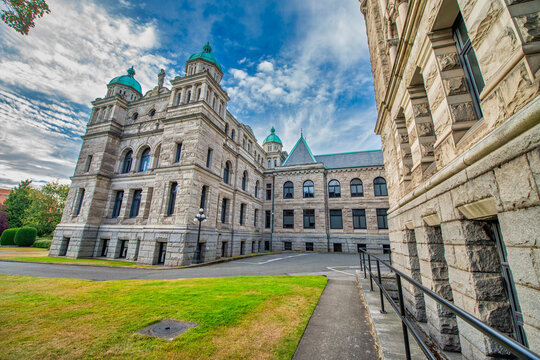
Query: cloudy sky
point(291, 64)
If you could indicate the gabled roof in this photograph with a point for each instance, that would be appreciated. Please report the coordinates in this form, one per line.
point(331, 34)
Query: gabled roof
point(352, 159)
point(300, 154)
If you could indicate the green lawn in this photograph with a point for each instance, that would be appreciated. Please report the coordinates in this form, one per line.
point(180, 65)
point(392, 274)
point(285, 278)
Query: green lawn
point(47, 259)
point(239, 318)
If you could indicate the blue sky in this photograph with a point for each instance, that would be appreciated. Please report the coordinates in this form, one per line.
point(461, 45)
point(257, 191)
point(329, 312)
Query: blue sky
point(296, 64)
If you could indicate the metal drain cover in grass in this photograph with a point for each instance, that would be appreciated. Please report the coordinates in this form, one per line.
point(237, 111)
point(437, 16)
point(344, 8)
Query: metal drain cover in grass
point(167, 329)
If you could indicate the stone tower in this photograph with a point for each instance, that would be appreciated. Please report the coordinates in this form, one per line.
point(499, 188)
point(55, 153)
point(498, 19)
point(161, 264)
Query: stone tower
point(273, 146)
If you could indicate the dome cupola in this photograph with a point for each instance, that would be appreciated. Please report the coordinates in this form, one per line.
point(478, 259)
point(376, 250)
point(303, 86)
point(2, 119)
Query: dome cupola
point(272, 137)
point(128, 80)
point(204, 61)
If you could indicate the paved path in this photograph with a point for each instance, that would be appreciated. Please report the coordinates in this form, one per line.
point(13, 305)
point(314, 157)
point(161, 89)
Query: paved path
point(337, 330)
point(339, 327)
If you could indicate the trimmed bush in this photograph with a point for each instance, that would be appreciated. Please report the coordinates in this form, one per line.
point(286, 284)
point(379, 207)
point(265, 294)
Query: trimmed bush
point(26, 236)
point(8, 236)
point(42, 244)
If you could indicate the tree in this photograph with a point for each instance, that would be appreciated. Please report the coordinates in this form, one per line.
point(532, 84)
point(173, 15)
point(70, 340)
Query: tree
point(46, 207)
point(3, 219)
point(17, 203)
point(20, 14)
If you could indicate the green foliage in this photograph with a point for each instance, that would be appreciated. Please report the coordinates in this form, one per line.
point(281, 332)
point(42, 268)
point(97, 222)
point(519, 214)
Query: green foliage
point(46, 207)
point(25, 236)
point(8, 236)
point(42, 244)
point(4, 216)
point(17, 203)
point(20, 14)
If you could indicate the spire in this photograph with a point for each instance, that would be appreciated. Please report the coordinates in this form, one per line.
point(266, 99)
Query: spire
point(272, 130)
point(131, 71)
point(207, 48)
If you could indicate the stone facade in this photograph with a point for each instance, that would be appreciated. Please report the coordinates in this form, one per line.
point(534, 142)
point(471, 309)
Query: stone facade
point(457, 85)
point(149, 162)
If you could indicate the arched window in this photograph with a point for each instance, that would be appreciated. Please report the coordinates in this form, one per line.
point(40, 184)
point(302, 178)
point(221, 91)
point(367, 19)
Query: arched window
point(288, 190)
point(379, 185)
point(226, 129)
point(172, 198)
point(357, 189)
point(244, 180)
point(309, 189)
point(188, 97)
point(152, 112)
point(232, 134)
point(145, 160)
point(226, 173)
point(156, 156)
point(135, 116)
point(269, 164)
point(199, 94)
point(126, 165)
point(334, 189)
point(257, 189)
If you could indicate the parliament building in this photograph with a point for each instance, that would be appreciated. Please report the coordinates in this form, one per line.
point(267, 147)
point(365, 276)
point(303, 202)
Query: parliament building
point(150, 161)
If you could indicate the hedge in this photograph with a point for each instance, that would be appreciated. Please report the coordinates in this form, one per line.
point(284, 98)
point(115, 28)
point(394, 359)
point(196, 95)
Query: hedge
point(8, 236)
point(26, 236)
point(43, 244)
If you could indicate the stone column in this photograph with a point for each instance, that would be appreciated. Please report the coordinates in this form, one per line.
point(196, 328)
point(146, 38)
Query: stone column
point(204, 91)
point(172, 100)
point(403, 8)
point(403, 148)
point(421, 134)
point(442, 325)
point(456, 101)
point(182, 96)
point(478, 287)
point(392, 49)
point(193, 93)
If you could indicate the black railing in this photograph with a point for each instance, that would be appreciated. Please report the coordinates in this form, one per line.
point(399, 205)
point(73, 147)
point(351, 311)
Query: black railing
point(511, 345)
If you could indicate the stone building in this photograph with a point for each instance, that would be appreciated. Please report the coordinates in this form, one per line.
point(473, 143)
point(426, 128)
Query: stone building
point(457, 85)
point(149, 162)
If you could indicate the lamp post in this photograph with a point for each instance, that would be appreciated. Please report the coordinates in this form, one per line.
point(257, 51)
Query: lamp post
point(200, 217)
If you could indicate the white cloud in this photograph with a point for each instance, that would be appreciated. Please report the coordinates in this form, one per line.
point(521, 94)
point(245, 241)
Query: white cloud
point(314, 82)
point(265, 66)
point(74, 51)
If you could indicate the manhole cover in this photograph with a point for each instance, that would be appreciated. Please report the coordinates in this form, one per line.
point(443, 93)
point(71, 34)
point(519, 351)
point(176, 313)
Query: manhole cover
point(167, 329)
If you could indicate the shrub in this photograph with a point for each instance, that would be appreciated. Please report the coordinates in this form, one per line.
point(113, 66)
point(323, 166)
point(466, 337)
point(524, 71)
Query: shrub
point(8, 236)
point(26, 236)
point(42, 244)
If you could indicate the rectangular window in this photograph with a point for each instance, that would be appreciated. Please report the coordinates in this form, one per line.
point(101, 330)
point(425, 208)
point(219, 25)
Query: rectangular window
point(386, 249)
point(178, 152)
point(268, 191)
point(255, 218)
point(80, 202)
point(224, 211)
point(309, 246)
point(242, 247)
point(468, 60)
point(104, 247)
point(287, 245)
point(382, 221)
point(309, 219)
point(360, 247)
point(337, 247)
point(267, 219)
point(117, 204)
point(135, 204)
point(288, 219)
point(123, 249)
point(336, 220)
point(266, 245)
point(203, 197)
point(88, 163)
point(162, 252)
point(242, 212)
point(172, 198)
point(209, 158)
point(359, 219)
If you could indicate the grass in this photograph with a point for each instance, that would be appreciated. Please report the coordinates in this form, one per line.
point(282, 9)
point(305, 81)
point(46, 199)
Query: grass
point(32, 254)
point(239, 318)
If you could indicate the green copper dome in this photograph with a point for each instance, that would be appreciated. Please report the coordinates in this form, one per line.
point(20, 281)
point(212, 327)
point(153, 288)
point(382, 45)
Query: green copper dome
point(207, 55)
point(272, 137)
point(128, 80)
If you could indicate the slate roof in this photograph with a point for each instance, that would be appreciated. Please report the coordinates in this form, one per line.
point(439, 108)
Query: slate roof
point(302, 155)
point(352, 159)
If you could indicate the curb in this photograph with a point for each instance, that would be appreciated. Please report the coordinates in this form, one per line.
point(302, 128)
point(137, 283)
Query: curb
point(371, 323)
point(153, 267)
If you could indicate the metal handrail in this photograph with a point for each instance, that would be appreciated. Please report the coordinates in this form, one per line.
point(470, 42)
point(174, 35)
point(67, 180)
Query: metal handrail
point(510, 344)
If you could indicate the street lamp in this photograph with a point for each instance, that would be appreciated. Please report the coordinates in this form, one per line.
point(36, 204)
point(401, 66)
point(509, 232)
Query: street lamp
point(200, 217)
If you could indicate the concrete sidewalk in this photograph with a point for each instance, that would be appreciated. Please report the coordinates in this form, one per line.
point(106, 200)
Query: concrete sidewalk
point(339, 327)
